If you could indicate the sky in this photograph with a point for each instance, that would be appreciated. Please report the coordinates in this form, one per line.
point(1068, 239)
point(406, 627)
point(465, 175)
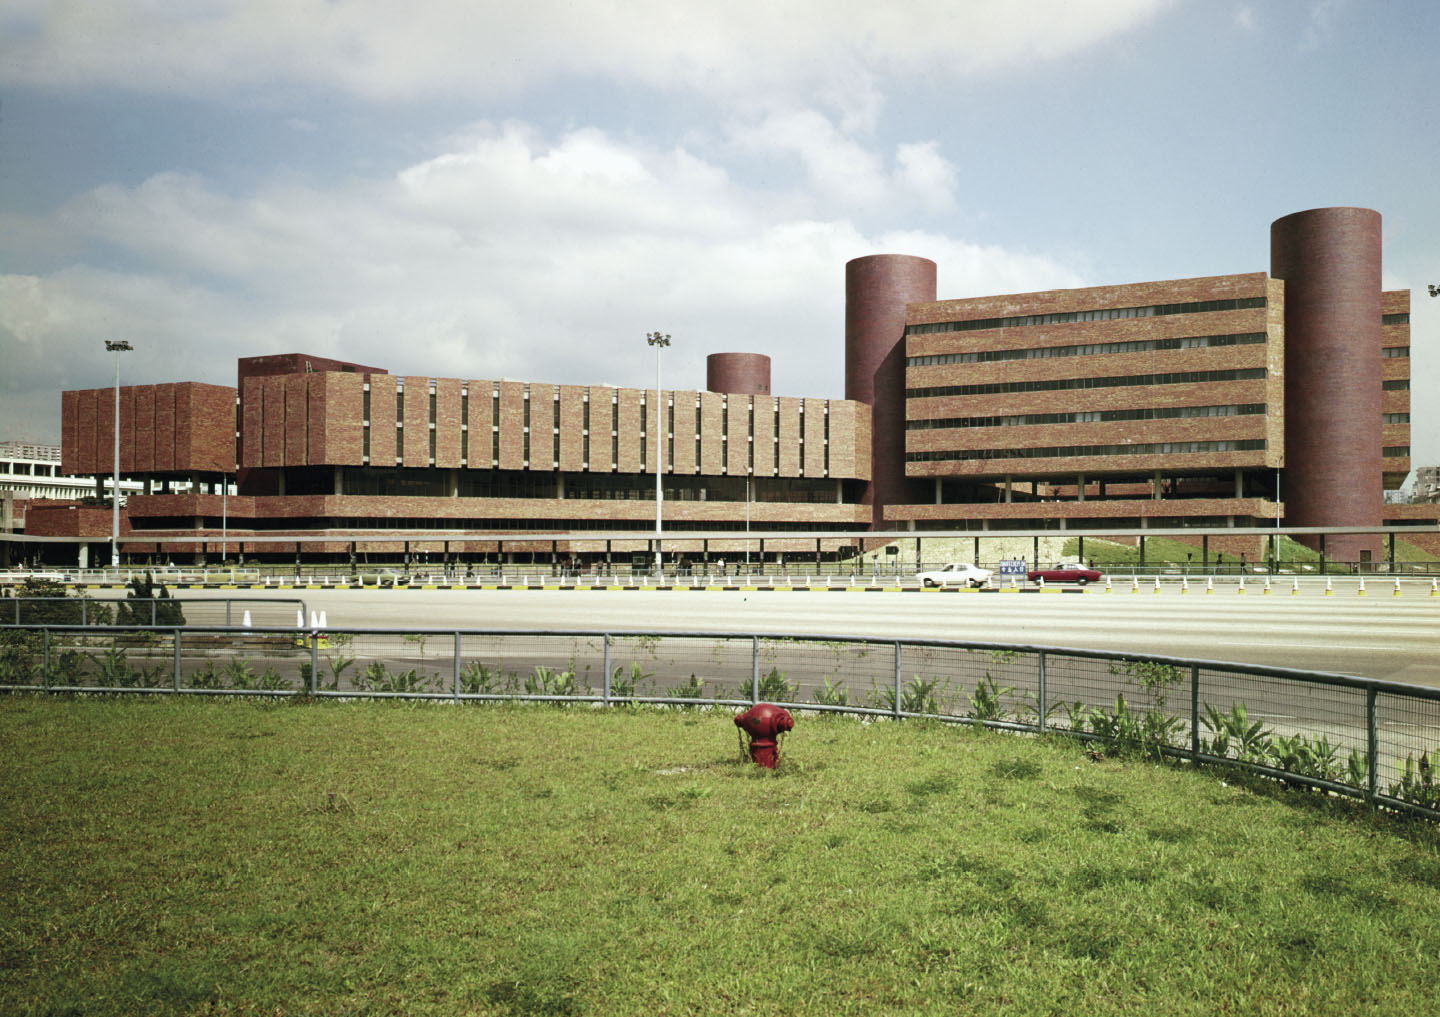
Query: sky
point(486, 190)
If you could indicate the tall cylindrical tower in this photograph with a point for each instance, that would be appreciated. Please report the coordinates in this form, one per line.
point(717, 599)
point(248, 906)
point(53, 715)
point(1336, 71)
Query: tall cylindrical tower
point(877, 288)
point(738, 373)
point(1330, 261)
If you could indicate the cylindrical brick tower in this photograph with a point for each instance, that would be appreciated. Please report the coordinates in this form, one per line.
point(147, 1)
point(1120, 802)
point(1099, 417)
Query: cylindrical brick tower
point(877, 288)
point(738, 373)
point(1330, 261)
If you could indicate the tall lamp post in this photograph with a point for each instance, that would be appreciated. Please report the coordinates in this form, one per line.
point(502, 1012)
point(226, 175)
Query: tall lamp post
point(117, 347)
point(659, 341)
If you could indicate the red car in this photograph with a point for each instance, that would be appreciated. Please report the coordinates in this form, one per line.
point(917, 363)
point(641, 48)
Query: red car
point(1065, 572)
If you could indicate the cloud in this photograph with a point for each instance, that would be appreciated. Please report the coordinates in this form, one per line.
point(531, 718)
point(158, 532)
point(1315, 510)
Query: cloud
point(509, 253)
point(1320, 24)
point(751, 51)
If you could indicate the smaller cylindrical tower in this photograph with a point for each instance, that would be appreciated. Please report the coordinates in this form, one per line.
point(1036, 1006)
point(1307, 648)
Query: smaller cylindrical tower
point(877, 288)
point(1330, 261)
point(738, 373)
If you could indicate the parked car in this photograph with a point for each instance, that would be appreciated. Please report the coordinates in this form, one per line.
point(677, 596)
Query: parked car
point(955, 574)
point(1065, 572)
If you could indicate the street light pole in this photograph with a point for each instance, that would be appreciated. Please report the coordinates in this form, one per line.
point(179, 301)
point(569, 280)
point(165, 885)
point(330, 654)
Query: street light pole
point(117, 347)
point(659, 341)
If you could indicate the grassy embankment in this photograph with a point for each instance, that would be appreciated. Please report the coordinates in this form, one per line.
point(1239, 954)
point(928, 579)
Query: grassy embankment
point(243, 857)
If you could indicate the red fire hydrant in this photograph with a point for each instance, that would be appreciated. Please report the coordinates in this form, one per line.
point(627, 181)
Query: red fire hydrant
point(765, 723)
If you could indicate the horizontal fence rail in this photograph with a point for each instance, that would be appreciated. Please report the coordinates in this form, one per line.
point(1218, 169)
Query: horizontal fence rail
point(1362, 737)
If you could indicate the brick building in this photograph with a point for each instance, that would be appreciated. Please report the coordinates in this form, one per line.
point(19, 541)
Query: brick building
point(1217, 402)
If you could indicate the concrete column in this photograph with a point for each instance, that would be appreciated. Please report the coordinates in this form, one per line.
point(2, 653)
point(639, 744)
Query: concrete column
point(1080, 487)
point(1009, 490)
point(1156, 486)
point(938, 500)
point(1239, 483)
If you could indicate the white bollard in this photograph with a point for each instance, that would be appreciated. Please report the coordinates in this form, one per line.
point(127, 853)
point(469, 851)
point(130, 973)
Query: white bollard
point(1241, 588)
point(1157, 584)
point(323, 623)
point(1134, 584)
point(1295, 587)
point(1434, 588)
point(1209, 584)
point(1267, 586)
point(246, 622)
point(1184, 584)
point(299, 618)
point(1329, 587)
point(1361, 592)
point(1107, 584)
point(1397, 587)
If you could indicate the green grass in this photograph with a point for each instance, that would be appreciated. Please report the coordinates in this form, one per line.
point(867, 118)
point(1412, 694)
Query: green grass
point(244, 857)
point(1161, 551)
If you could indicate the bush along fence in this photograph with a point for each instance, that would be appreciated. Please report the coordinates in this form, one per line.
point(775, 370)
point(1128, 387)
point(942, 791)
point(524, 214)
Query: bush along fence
point(1355, 736)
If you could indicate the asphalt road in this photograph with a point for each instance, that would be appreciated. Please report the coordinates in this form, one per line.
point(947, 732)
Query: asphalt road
point(1377, 635)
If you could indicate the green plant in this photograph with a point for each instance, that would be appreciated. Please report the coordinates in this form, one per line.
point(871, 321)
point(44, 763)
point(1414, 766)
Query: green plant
point(418, 639)
point(1305, 757)
point(693, 689)
point(775, 687)
point(112, 670)
point(1357, 769)
point(1125, 730)
point(1418, 783)
point(379, 678)
point(477, 679)
point(985, 701)
point(547, 681)
point(920, 695)
point(1234, 735)
point(833, 693)
point(1153, 678)
point(148, 604)
point(625, 682)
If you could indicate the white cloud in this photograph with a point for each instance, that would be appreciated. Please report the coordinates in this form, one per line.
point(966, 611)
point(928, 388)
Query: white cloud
point(1245, 18)
point(752, 51)
point(508, 254)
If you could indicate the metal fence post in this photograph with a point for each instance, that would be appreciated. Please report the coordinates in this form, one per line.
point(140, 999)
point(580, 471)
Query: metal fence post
point(314, 662)
point(457, 667)
point(1042, 690)
point(605, 666)
point(177, 660)
point(897, 680)
point(154, 605)
point(45, 663)
point(754, 669)
point(1195, 712)
point(228, 603)
point(84, 614)
point(1372, 747)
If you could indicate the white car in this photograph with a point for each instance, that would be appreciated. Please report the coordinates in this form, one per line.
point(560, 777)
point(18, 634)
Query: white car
point(955, 575)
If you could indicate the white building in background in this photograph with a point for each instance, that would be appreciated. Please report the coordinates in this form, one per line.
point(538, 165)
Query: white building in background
point(29, 470)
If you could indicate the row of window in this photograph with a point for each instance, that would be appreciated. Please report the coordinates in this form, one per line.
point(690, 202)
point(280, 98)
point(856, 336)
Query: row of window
point(1091, 416)
point(1194, 342)
point(1395, 418)
point(645, 417)
point(1396, 452)
point(1061, 384)
point(1070, 451)
point(1394, 352)
point(525, 525)
point(1397, 385)
point(1402, 318)
point(1105, 314)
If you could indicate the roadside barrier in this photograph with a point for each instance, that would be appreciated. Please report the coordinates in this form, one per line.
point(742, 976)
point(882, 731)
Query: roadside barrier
point(1354, 736)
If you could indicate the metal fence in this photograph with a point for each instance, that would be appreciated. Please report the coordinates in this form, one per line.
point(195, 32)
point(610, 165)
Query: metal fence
point(1356, 736)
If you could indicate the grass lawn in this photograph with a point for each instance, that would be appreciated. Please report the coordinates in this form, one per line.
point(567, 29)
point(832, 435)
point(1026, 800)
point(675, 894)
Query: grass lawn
point(168, 856)
point(1160, 551)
